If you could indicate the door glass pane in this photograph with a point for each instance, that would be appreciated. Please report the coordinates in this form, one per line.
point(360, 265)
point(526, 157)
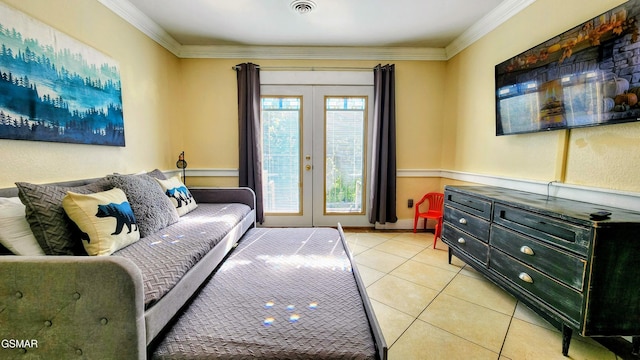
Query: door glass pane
point(345, 121)
point(281, 119)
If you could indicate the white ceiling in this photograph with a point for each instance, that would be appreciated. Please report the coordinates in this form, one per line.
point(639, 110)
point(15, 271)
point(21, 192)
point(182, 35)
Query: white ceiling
point(407, 24)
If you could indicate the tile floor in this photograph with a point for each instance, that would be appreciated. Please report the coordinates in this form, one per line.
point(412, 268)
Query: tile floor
point(428, 309)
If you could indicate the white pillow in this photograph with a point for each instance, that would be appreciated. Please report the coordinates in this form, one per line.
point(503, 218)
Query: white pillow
point(15, 233)
point(179, 195)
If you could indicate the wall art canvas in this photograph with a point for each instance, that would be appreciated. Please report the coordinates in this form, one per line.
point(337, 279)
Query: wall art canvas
point(586, 76)
point(55, 88)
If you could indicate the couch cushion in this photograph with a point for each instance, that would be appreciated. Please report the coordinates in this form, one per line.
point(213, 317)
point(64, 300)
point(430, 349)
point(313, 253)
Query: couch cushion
point(179, 195)
point(56, 234)
point(15, 233)
point(105, 218)
point(165, 256)
point(152, 209)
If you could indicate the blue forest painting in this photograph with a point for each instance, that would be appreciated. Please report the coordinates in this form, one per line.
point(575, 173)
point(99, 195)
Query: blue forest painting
point(55, 88)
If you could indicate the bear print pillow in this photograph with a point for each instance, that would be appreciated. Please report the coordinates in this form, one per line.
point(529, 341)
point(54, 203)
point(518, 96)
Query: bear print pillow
point(105, 218)
point(178, 194)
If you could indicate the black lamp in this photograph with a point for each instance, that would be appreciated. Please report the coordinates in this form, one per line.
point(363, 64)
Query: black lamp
point(182, 164)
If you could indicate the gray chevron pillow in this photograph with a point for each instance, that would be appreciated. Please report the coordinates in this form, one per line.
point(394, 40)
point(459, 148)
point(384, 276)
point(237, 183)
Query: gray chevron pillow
point(52, 228)
point(151, 207)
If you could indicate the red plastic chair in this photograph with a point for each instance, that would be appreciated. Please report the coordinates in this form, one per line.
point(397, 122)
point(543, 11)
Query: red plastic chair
point(434, 212)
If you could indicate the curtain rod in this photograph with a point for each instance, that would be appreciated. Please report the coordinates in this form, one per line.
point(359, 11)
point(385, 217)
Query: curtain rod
point(309, 68)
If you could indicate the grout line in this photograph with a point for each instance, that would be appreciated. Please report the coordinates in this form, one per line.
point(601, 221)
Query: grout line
point(513, 314)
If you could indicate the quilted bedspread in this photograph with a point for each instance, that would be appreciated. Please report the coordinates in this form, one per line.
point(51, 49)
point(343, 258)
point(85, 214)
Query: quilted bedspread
point(178, 247)
point(282, 294)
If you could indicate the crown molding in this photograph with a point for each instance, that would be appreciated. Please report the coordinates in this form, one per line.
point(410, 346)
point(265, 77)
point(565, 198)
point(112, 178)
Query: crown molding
point(485, 25)
point(142, 22)
point(312, 52)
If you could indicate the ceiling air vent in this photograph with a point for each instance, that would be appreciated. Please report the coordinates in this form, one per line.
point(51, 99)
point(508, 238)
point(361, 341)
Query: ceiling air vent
point(303, 6)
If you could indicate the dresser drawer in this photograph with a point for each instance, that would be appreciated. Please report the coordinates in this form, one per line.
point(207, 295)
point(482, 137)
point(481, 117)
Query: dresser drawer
point(560, 265)
point(457, 238)
point(563, 299)
point(564, 234)
point(464, 221)
point(468, 203)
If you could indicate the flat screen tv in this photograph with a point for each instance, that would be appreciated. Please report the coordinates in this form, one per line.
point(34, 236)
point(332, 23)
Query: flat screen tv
point(586, 76)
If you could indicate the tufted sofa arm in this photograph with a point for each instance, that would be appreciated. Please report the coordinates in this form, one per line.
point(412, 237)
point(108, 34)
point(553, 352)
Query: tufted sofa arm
point(70, 307)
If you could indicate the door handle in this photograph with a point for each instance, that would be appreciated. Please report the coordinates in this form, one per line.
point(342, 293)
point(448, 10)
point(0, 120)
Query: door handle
point(307, 167)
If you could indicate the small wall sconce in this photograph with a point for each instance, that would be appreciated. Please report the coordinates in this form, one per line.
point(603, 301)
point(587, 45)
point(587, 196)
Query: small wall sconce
point(182, 164)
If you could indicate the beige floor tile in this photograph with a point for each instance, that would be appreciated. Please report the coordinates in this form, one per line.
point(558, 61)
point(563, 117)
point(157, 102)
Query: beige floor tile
point(367, 240)
point(424, 274)
point(401, 294)
point(469, 321)
point(379, 260)
point(469, 271)
point(425, 240)
point(423, 341)
point(525, 314)
point(369, 275)
point(527, 341)
point(356, 248)
point(440, 259)
point(399, 248)
point(481, 292)
point(392, 322)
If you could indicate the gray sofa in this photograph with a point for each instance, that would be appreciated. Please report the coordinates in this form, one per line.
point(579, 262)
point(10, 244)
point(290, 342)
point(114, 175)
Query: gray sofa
point(113, 307)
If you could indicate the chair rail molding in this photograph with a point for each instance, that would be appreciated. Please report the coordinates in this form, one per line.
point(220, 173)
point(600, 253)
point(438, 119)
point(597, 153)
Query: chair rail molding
point(609, 197)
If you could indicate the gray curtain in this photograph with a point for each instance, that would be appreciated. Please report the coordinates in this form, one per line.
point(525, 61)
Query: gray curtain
point(382, 204)
point(250, 161)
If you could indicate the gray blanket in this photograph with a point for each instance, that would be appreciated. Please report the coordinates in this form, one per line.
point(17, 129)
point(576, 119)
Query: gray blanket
point(178, 247)
point(282, 294)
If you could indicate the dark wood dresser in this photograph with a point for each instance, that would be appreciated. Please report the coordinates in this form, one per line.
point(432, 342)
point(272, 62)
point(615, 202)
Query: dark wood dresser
point(570, 261)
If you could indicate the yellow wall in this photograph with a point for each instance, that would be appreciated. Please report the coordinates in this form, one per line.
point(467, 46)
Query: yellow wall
point(210, 117)
point(606, 156)
point(150, 75)
point(445, 110)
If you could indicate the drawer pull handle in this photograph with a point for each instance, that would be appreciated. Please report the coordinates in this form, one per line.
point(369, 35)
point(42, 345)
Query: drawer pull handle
point(527, 250)
point(462, 221)
point(526, 278)
point(462, 240)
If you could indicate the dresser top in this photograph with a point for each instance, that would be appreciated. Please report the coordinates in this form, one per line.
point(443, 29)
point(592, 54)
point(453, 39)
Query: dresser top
point(570, 210)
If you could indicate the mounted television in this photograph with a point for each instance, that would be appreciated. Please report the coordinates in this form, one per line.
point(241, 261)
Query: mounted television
point(587, 76)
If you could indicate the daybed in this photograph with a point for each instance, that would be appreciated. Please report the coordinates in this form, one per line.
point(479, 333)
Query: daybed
point(112, 307)
point(131, 304)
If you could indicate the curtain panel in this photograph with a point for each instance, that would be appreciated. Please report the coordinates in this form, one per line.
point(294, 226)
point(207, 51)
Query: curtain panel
point(250, 142)
point(382, 204)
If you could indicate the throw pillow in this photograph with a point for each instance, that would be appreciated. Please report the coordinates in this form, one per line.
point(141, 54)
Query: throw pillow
point(105, 218)
point(156, 173)
point(15, 233)
point(152, 209)
point(56, 234)
point(179, 195)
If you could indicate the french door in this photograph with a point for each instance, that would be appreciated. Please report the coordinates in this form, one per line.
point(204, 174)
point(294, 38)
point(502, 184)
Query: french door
point(315, 154)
